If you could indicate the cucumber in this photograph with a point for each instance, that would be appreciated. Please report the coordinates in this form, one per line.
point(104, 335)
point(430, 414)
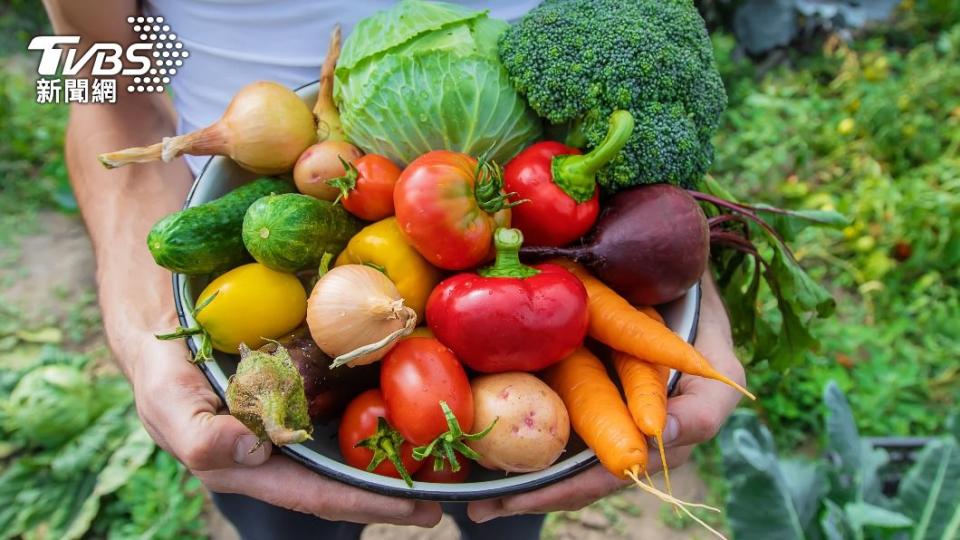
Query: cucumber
point(207, 238)
point(292, 232)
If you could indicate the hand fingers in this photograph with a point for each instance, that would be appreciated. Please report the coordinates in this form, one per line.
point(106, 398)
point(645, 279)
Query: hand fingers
point(282, 482)
point(702, 406)
point(179, 408)
point(570, 494)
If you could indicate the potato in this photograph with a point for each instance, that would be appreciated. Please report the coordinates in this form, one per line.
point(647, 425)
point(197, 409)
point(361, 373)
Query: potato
point(533, 427)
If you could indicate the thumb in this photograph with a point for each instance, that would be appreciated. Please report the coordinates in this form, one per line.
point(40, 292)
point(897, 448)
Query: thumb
point(179, 407)
point(218, 441)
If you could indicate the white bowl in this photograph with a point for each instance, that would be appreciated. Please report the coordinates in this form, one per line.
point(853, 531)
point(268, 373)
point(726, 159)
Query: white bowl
point(322, 454)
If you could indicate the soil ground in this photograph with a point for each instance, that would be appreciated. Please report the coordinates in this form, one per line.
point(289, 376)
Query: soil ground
point(59, 265)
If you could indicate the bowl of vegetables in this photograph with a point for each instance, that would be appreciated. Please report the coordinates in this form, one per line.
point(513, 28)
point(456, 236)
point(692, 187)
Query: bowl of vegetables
point(416, 288)
point(222, 176)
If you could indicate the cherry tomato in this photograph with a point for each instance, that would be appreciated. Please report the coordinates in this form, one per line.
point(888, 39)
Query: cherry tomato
point(448, 206)
point(367, 187)
point(365, 438)
point(415, 377)
point(444, 476)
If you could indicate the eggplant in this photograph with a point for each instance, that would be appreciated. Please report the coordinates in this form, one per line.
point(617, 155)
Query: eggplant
point(650, 244)
point(328, 390)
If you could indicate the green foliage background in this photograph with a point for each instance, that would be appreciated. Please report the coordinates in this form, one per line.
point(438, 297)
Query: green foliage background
point(871, 130)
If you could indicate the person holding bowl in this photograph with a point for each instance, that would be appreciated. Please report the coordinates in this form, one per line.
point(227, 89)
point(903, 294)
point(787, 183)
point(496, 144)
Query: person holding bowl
point(264, 494)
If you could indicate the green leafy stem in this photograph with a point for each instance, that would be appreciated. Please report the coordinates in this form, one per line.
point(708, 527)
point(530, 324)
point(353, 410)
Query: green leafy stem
point(205, 351)
point(447, 444)
point(732, 225)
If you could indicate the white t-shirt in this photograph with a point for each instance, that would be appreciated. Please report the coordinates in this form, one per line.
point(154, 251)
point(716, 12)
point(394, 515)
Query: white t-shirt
point(234, 42)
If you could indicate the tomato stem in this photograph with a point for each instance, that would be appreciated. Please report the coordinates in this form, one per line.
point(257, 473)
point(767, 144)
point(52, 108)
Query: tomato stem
point(507, 243)
point(576, 174)
point(488, 187)
point(205, 351)
point(347, 182)
point(384, 443)
point(451, 441)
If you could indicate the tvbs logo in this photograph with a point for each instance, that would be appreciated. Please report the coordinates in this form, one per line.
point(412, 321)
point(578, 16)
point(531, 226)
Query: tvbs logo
point(151, 61)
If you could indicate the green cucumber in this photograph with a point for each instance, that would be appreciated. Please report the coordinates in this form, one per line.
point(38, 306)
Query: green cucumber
point(292, 232)
point(207, 238)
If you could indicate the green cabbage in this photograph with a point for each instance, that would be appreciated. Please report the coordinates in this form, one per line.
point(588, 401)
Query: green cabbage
point(425, 76)
point(50, 405)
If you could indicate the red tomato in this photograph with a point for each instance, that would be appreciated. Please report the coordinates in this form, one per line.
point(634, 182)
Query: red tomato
point(367, 188)
point(448, 207)
point(445, 475)
point(361, 422)
point(415, 377)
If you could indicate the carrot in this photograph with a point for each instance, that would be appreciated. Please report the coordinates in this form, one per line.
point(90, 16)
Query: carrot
point(602, 420)
point(645, 386)
point(652, 313)
point(597, 412)
point(622, 327)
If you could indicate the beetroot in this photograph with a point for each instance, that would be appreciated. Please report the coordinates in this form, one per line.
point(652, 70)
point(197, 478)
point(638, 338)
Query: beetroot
point(650, 244)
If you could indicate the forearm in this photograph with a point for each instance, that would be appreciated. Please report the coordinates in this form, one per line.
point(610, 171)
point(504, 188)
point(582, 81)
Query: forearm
point(119, 206)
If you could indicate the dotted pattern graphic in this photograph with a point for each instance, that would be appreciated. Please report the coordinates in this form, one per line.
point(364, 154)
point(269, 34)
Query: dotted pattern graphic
point(168, 53)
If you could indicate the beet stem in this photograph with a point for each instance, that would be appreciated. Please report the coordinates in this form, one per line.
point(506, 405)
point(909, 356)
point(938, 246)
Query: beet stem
point(745, 211)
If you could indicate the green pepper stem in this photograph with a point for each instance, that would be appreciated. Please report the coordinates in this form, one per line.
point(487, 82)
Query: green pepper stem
point(508, 242)
point(576, 174)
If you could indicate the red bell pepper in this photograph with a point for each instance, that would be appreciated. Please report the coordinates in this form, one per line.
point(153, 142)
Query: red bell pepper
point(509, 316)
point(559, 185)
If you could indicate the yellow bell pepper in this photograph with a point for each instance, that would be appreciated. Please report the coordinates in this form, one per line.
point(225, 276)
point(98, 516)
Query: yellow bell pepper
point(382, 246)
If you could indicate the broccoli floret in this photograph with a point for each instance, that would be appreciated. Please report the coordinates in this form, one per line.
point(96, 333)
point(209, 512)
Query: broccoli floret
point(576, 61)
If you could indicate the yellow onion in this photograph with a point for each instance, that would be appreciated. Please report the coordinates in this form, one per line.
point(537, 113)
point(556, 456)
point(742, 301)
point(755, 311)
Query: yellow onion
point(264, 129)
point(321, 163)
point(325, 160)
point(356, 315)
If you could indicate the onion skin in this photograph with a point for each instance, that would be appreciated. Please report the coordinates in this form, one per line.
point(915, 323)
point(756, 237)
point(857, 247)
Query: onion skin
point(356, 315)
point(650, 244)
point(320, 163)
point(264, 129)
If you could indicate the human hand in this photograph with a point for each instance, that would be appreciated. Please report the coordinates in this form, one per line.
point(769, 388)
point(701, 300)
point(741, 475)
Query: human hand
point(179, 410)
point(695, 414)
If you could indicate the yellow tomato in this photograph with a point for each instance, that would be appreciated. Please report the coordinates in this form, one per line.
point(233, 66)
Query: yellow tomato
point(253, 304)
point(382, 246)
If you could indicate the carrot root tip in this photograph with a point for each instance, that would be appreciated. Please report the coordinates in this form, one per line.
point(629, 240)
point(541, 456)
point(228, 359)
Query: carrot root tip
point(739, 388)
point(677, 503)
